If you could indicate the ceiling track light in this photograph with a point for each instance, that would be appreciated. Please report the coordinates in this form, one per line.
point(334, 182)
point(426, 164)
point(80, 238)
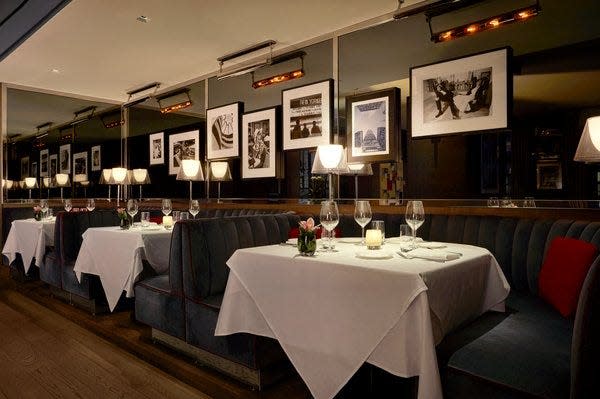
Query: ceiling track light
point(521, 14)
point(131, 93)
point(244, 69)
point(174, 100)
point(282, 77)
point(112, 119)
point(83, 115)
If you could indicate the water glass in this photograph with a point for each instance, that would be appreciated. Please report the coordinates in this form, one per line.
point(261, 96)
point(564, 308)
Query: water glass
point(91, 204)
point(68, 205)
point(194, 208)
point(44, 207)
point(49, 214)
point(379, 225)
point(329, 217)
point(529, 202)
point(145, 219)
point(176, 216)
point(405, 230)
point(184, 216)
point(166, 206)
point(362, 216)
point(493, 202)
point(415, 216)
point(506, 202)
point(132, 208)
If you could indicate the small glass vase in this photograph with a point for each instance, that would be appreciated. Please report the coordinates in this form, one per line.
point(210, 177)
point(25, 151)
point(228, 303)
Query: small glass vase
point(124, 223)
point(37, 216)
point(307, 244)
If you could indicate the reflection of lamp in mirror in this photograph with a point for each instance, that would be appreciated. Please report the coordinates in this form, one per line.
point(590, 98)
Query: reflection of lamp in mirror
point(30, 182)
point(191, 170)
point(358, 169)
point(219, 171)
point(588, 149)
point(329, 159)
point(47, 182)
point(119, 177)
point(105, 178)
point(62, 180)
point(79, 178)
point(139, 177)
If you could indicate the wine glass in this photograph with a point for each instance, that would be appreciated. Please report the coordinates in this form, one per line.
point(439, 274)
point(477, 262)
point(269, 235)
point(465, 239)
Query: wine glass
point(132, 208)
point(166, 206)
point(68, 205)
point(91, 204)
point(415, 216)
point(44, 207)
point(194, 208)
point(362, 215)
point(330, 217)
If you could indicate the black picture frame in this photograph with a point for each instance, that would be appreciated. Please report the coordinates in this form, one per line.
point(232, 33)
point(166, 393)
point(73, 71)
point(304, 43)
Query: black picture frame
point(223, 127)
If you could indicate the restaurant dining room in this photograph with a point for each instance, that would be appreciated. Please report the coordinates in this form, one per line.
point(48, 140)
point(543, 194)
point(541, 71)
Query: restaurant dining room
point(319, 199)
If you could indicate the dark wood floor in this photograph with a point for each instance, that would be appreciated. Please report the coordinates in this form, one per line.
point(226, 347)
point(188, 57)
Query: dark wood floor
point(53, 327)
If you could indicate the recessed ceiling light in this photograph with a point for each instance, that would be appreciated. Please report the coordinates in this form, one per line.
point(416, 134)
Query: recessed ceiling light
point(55, 70)
point(143, 18)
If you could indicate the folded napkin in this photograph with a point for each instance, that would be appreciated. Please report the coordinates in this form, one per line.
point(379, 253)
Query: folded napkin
point(430, 254)
point(432, 245)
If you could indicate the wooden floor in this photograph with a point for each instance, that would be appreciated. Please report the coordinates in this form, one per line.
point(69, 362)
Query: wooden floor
point(50, 349)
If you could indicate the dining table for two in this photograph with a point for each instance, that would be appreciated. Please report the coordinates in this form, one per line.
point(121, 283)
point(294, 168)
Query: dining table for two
point(30, 238)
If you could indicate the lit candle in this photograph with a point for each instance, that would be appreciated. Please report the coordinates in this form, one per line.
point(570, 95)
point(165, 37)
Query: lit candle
point(373, 239)
point(168, 221)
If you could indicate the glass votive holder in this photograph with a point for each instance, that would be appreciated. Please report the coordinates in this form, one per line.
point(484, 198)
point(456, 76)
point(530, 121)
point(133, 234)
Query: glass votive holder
point(184, 216)
point(373, 239)
point(529, 202)
point(167, 222)
point(493, 202)
point(176, 216)
point(379, 225)
point(405, 231)
point(145, 218)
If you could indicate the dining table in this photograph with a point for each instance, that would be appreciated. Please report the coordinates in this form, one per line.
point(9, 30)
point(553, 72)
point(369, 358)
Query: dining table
point(336, 310)
point(116, 255)
point(30, 238)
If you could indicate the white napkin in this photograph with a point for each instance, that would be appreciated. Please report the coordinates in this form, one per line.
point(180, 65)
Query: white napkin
point(430, 254)
point(432, 245)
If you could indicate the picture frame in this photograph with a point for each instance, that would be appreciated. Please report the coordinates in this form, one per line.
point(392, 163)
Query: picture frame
point(157, 148)
point(52, 165)
point(467, 94)
point(373, 126)
point(304, 106)
point(24, 167)
point(548, 175)
point(80, 163)
point(64, 158)
point(34, 169)
point(44, 163)
point(183, 146)
point(96, 158)
point(259, 143)
point(223, 131)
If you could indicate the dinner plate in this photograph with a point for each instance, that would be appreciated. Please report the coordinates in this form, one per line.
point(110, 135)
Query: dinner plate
point(349, 240)
point(374, 254)
point(292, 241)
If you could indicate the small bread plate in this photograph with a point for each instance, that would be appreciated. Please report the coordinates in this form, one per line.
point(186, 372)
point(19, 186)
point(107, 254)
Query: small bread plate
point(374, 254)
point(349, 240)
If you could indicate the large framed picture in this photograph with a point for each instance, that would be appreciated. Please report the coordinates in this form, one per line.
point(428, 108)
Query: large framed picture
point(182, 146)
point(259, 143)
point(468, 94)
point(53, 166)
point(96, 158)
point(44, 163)
point(64, 158)
point(307, 116)
point(373, 126)
point(34, 169)
point(157, 148)
point(223, 131)
point(80, 163)
point(549, 175)
point(24, 167)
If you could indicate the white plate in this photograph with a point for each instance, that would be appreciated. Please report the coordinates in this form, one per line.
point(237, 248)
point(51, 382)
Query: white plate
point(292, 241)
point(401, 240)
point(349, 240)
point(374, 254)
point(432, 245)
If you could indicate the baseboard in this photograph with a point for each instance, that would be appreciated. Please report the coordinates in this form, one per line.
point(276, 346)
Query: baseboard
point(91, 305)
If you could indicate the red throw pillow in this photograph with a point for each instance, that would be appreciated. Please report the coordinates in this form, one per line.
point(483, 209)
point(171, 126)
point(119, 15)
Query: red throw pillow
point(294, 232)
point(563, 272)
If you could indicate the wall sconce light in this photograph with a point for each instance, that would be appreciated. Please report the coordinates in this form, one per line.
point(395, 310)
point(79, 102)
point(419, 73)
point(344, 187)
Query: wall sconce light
point(282, 77)
point(472, 28)
point(112, 119)
point(329, 159)
point(219, 171)
point(174, 101)
point(140, 177)
point(62, 180)
point(191, 170)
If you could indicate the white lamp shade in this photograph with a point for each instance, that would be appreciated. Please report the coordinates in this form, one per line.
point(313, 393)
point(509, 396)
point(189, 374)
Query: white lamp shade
point(105, 176)
point(7, 183)
point(190, 169)
point(359, 168)
point(330, 158)
point(119, 176)
point(47, 182)
point(62, 179)
point(30, 182)
point(80, 177)
point(140, 176)
point(588, 149)
point(85, 183)
point(220, 171)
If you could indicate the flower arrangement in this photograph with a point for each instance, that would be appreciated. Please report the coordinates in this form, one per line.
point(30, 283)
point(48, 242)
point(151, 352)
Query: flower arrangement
point(123, 218)
point(307, 237)
point(37, 212)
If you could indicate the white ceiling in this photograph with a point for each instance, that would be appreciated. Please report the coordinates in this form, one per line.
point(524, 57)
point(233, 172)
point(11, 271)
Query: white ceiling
point(102, 51)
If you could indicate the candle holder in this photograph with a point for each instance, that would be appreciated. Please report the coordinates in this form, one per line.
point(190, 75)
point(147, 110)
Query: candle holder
point(373, 239)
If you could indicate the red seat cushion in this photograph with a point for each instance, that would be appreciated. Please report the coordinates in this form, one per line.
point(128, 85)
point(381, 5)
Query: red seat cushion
point(563, 272)
point(295, 231)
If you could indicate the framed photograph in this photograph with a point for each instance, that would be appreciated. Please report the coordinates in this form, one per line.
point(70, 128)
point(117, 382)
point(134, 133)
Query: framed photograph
point(259, 143)
point(80, 163)
point(307, 116)
point(96, 158)
point(223, 131)
point(183, 146)
point(64, 158)
point(24, 167)
point(468, 94)
point(34, 169)
point(373, 126)
point(549, 175)
point(53, 165)
point(44, 163)
point(157, 148)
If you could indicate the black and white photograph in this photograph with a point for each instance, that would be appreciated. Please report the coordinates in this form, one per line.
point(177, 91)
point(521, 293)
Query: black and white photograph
point(222, 131)
point(44, 163)
point(64, 158)
point(80, 163)
point(548, 175)
point(53, 165)
point(96, 158)
point(24, 167)
point(259, 143)
point(462, 95)
point(307, 115)
point(182, 146)
point(157, 148)
point(372, 123)
point(34, 169)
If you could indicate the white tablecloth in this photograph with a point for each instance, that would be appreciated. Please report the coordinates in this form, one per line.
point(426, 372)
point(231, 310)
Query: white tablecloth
point(333, 312)
point(29, 237)
point(116, 256)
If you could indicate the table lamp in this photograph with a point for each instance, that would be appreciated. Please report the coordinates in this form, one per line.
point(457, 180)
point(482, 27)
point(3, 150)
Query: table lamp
point(139, 177)
point(219, 171)
point(357, 169)
point(30, 182)
point(191, 170)
point(62, 180)
point(105, 178)
point(588, 149)
point(119, 176)
point(47, 182)
point(329, 159)
point(78, 178)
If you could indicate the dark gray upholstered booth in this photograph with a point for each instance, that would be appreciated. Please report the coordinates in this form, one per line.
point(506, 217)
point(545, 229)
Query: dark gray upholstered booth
point(59, 264)
point(183, 306)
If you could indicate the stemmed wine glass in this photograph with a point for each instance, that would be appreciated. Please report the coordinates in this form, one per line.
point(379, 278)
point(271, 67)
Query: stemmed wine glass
point(68, 205)
point(166, 206)
point(362, 215)
point(194, 208)
point(44, 207)
point(132, 208)
point(329, 217)
point(415, 216)
point(91, 204)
